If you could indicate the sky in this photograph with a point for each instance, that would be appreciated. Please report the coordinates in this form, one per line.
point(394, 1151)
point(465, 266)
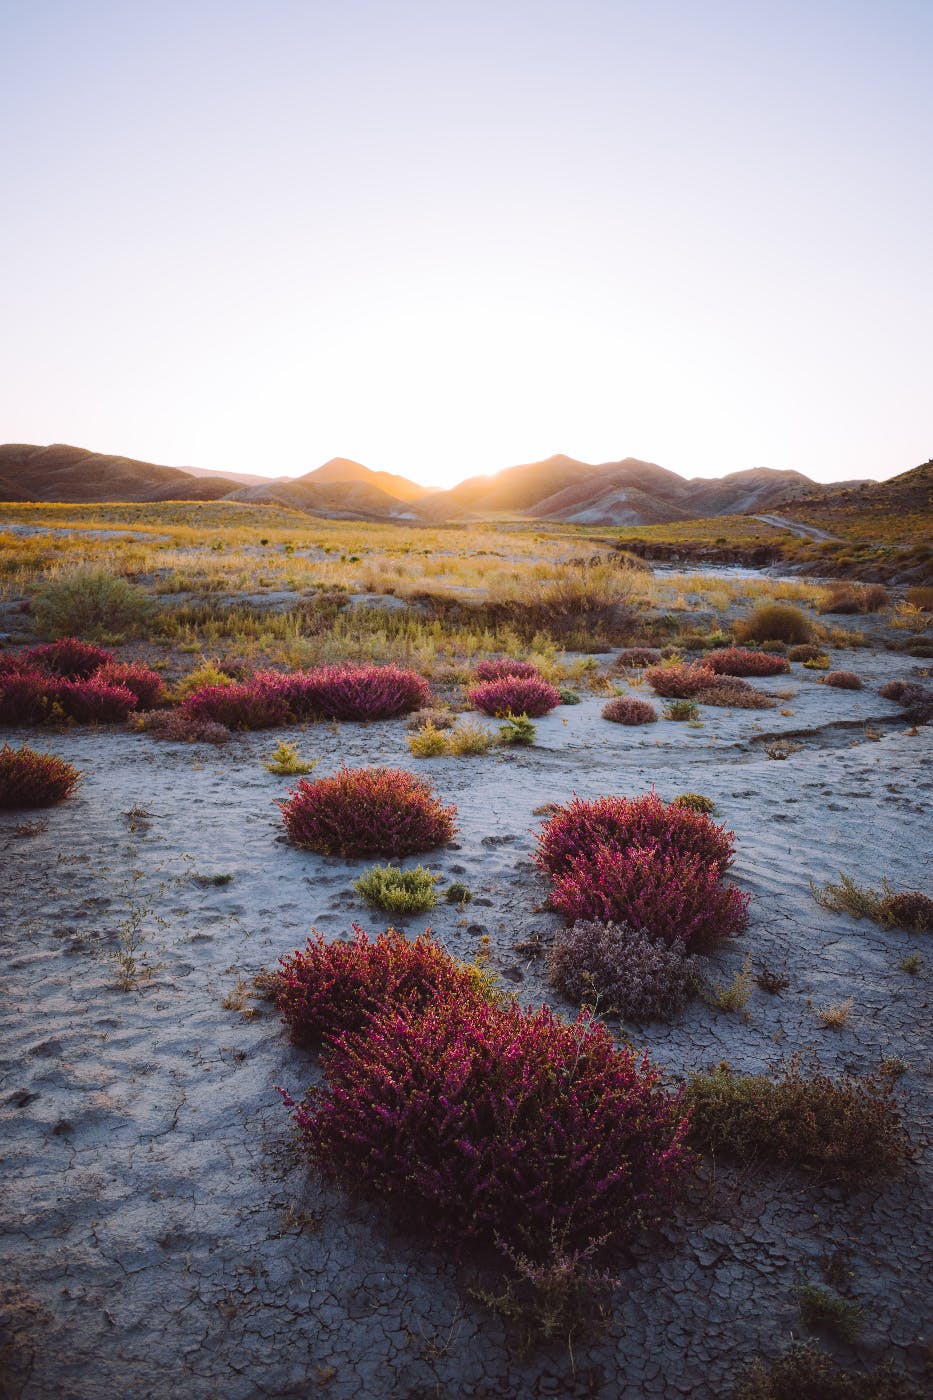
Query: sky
point(445, 236)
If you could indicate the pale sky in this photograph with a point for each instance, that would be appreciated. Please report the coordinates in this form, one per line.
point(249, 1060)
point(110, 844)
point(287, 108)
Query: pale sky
point(445, 236)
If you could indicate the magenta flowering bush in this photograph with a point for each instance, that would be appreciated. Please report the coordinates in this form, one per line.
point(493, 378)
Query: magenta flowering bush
point(92, 701)
point(337, 986)
point(239, 705)
point(32, 779)
point(68, 657)
point(741, 661)
point(496, 669)
point(679, 682)
point(676, 897)
point(515, 695)
point(624, 710)
point(574, 832)
point(147, 685)
point(365, 692)
point(502, 1125)
point(24, 696)
point(367, 811)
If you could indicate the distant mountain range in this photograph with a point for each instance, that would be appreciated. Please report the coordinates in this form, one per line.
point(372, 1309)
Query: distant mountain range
point(628, 492)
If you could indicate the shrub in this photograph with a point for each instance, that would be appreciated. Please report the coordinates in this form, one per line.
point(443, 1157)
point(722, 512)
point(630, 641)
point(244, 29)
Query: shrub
point(497, 669)
point(31, 779)
point(921, 596)
point(674, 896)
point(696, 802)
point(24, 697)
point(458, 893)
point(517, 729)
point(680, 710)
point(569, 697)
point(803, 1373)
point(204, 675)
point(820, 662)
point(637, 657)
point(739, 661)
point(679, 682)
point(841, 680)
point(398, 891)
point(908, 909)
point(906, 692)
point(734, 694)
point(515, 695)
point(501, 1125)
point(855, 598)
point(367, 811)
point(624, 710)
point(89, 602)
point(239, 705)
point(773, 622)
point(617, 969)
point(575, 831)
point(68, 657)
point(287, 762)
point(845, 1129)
point(146, 685)
point(468, 738)
point(93, 701)
point(807, 652)
point(428, 742)
point(178, 727)
point(328, 988)
point(363, 692)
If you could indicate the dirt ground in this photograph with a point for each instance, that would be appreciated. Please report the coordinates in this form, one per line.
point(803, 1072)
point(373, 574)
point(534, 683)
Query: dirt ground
point(159, 1232)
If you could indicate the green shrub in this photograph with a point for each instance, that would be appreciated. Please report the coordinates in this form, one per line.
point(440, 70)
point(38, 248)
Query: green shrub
point(517, 729)
point(458, 893)
point(821, 1308)
point(90, 603)
point(286, 761)
point(398, 891)
point(696, 802)
point(681, 709)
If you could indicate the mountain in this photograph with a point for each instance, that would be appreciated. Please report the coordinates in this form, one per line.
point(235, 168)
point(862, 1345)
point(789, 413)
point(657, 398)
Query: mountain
point(514, 490)
point(910, 493)
point(342, 469)
point(63, 473)
point(244, 478)
point(340, 500)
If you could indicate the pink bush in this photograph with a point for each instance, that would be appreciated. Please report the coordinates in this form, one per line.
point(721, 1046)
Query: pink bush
point(841, 680)
point(496, 670)
point(338, 986)
point(175, 725)
point(24, 696)
point(508, 1126)
point(146, 685)
point(679, 682)
point(740, 661)
point(367, 811)
point(515, 695)
point(30, 697)
point(240, 705)
point(31, 779)
point(68, 657)
point(673, 896)
point(575, 832)
point(93, 701)
point(624, 710)
point(366, 692)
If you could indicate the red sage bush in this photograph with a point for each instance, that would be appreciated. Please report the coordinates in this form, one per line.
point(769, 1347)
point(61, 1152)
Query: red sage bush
point(576, 831)
point(515, 695)
point(679, 682)
point(146, 685)
point(624, 710)
point(494, 669)
point(32, 779)
point(740, 661)
point(503, 1125)
point(239, 705)
point(68, 657)
point(367, 811)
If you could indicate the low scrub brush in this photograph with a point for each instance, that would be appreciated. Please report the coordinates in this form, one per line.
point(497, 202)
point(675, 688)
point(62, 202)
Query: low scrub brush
point(846, 1130)
point(680, 682)
point(773, 622)
point(286, 761)
point(616, 969)
point(90, 603)
point(735, 694)
point(468, 738)
point(841, 680)
point(739, 661)
point(367, 811)
point(905, 693)
point(623, 710)
point(696, 802)
point(855, 598)
point(92, 701)
point(820, 662)
point(496, 669)
point(428, 742)
point(635, 658)
point(32, 779)
point(398, 891)
point(178, 727)
point(518, 730)
point(906, 909)
point(26, 696)
point(681, 710)
point(575, 831)
point(68, 657)
point(807, 652)
point(360, 692)
point(147, 685)
point(803, 1373)
point(239, 705)
point(515, 695)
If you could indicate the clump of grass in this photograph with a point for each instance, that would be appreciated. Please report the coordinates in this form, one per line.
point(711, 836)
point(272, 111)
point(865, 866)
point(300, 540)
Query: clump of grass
point(90, 603)
point(820, 662)
point(907, 909)
point(696, 802)
point(803, 1373)
point(806, 652)
point(468, 738)
point(773, 622)
point(458, 893)
point(771, 981)
point(428, 741)
point(287, 762)
point(518, 730)
point(681, 710)
point(821, 1308)
point(208, 881)
point(733, 996)
point(836, 1015)
point(911, 964)
point(569, 697)
point(398, 891)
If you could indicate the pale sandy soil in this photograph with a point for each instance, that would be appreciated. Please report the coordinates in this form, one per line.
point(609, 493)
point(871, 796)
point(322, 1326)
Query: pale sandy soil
point(161, 1236)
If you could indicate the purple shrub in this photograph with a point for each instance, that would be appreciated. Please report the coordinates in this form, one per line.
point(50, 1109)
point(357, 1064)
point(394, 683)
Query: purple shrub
point(679, 682)
point(622, 970)
point(240, 705)
point(500, 667)
point(366, 692)
point(515, 695)
point(367, 811)
point(907, 693)
point(502, 1125)
point(740, 661)
point(624, 710)
point(574, 832)
point(146, 685)
point(68, 657)
point(31, 779)
point(25, 696)
point(674, 896)
point(93, 701)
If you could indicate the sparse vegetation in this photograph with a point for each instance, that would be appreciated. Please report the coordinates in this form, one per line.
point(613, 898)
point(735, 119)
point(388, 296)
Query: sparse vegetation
point(734, 995)
point(398, 891)
point(515, 695)
point(836, 1015)
point(822, 1309)
point(367, 811)
point(90, 603)
point(682, 710)
point(907, 909)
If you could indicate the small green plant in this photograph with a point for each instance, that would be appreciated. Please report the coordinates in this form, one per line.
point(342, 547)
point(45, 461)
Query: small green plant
point(733, 996)
point(517, 729)
point(458, 893)
point(847, 897)
point(823, 1309)
point(569, 697)
point(681, 710)
point(468, 738)
point(911, 964)
point(428, 742)
point(209, 881)
point(398, 891)
point(696, 802)
point(287, 762)
point(820, 662)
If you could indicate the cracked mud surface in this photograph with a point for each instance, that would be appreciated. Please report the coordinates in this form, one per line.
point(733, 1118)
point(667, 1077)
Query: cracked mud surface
point(160, 1234)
